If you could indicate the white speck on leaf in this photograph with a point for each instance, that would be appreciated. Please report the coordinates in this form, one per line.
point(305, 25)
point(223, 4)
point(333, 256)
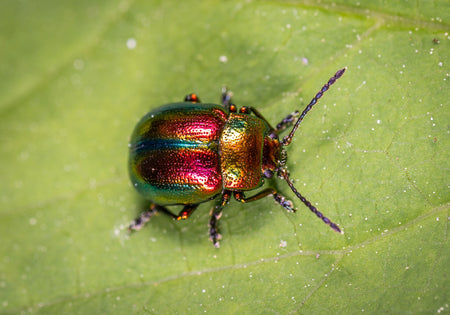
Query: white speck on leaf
point(131, 43)
point(78, 64)
point(223, 59)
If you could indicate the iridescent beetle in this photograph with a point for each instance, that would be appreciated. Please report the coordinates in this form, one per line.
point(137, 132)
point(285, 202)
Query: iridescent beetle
point(188, 153)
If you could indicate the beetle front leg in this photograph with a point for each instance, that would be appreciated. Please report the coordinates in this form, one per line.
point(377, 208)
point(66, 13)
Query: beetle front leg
point(216, 214)
point(289, 120)
point(280, 199)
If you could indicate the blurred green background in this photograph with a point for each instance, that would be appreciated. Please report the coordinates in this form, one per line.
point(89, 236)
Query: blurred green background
point(373, 156)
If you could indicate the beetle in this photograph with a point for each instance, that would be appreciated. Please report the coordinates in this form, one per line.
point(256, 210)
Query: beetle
point(188, 153)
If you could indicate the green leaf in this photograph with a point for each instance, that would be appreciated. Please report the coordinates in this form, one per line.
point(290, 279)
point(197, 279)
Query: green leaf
point(372, 156)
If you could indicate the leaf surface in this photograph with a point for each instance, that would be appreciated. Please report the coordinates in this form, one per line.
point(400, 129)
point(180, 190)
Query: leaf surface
point(372, 156)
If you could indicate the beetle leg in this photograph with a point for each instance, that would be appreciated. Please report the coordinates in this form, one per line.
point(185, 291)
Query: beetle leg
point(183, 215)
point(216, 213)
point(226, 97)
point(286, 122)
point(192, 98)
point(289, 120)
point(280, 199)
point(145, 216)
point(186, 212)
point(260, 116)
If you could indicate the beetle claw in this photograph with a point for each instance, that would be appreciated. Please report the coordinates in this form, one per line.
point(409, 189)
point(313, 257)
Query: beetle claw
point(288, 205)
point(282, 201)
point(215, 237)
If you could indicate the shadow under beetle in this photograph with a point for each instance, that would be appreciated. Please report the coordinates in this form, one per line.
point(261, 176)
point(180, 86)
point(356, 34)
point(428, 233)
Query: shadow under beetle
point(188, 153)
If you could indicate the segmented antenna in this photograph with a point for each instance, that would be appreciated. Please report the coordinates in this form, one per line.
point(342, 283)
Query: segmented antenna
point(287, 140)
point(310, 206)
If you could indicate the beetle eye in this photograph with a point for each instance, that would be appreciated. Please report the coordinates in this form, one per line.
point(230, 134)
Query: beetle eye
point(268, 174)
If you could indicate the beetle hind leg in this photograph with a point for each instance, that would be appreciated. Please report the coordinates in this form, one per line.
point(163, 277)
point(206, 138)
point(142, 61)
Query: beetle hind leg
point(216, 214)
point(186, 212)
point(145, 216)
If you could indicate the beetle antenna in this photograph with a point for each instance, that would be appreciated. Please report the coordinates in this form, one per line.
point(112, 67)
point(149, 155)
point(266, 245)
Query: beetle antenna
point(287, 140)
point(327, 221)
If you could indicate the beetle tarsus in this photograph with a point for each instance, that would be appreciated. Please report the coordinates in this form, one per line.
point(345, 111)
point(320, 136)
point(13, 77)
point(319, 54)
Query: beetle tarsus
point(226, 97)
point(216, 214)
point(285, 203)
point(289, 120)
point(214, 235)
point(139, 222)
